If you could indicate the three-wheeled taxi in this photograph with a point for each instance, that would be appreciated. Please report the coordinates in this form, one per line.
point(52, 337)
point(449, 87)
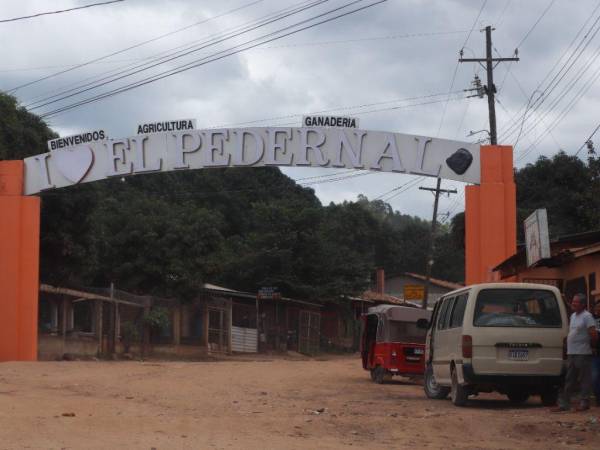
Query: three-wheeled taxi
point(391, 342)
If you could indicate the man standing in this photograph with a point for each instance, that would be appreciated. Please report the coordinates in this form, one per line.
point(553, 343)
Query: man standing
point(596, 359)
point(582, 336)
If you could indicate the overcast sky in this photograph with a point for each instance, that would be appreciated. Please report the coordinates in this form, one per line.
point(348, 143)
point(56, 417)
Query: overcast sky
point(380, 57)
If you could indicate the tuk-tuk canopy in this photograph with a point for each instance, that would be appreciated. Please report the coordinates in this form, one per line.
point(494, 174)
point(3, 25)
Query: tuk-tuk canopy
point(398, 323)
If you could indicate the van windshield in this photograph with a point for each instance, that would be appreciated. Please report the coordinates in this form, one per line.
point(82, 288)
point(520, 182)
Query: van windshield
point(517, 308)
point(407, 332)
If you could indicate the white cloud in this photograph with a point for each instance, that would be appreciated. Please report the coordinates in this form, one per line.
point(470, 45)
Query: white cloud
point(308, 72)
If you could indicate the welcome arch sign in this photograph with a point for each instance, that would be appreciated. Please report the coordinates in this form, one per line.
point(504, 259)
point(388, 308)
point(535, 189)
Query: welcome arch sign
point(490, 198)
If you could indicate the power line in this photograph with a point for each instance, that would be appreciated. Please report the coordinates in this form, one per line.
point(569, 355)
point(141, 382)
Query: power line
point(490, 89)
point(322, 176)
point(157, 61)
point(343, 108)
point(526, 97)
point(500, 18)
point(456, 67)
point(198, 64)
point(587, 140)
point(299, 44)
point(189, 50)
point(180, 50)
point(379, 197)
point(511, 128)
point(536, 23)
point(162, 36)
point(400, 189)
point(567, 89)
point(563, 113)
point(14, 19)
point(331, 180)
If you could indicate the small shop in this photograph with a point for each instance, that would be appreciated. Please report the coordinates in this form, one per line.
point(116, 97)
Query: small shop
point(573, 266)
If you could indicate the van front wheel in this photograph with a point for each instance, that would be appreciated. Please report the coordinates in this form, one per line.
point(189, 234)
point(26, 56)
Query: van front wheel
point(432, 389)
point(458, 393)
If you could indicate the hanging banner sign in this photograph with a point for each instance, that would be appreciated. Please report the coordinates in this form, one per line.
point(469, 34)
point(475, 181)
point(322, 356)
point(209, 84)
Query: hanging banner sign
point(378, 151)
point(77, 139)
point(161, 127)
point(537, 238)
point(330, 121)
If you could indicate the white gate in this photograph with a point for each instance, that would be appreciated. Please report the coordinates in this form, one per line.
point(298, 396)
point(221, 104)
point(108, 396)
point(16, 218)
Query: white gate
point(244, 340)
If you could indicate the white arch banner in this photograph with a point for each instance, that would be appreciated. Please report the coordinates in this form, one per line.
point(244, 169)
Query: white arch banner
point(253, 147)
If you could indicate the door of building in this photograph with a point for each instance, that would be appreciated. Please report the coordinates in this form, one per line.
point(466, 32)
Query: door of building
point(218, 330)
point(310, 332)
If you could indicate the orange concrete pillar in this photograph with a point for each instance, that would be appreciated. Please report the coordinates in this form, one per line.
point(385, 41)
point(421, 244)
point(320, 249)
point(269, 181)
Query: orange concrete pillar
point(19, 266)
point(490, 215)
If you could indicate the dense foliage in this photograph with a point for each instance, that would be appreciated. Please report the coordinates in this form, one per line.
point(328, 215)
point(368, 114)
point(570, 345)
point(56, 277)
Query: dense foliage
point(568, 187)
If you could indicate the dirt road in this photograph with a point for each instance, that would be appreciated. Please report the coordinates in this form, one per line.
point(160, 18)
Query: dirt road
point(266, 403)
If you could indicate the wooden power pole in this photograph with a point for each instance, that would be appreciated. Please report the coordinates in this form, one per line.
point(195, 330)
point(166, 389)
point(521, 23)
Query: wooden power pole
point(431, 244)
point(490, 89)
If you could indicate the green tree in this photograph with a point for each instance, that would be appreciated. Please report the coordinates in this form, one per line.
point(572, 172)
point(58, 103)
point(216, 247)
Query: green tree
point(22, 134)
point(566, 186)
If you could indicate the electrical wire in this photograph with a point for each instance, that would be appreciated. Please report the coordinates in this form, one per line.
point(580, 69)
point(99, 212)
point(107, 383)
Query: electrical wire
point(345, 108)
point(588, 139)
point(299, 44)
point(456, 67)
point(30, 83)
point(130, 71)
point(514, 124)
point(341, 178)
point(566, 90)
point(198, 64)
point(535, 24)
point(409, 186)
point(562, 114)
point(60, 11)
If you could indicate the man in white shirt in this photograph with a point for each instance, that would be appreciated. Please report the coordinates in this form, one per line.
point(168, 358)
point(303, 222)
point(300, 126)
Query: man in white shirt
point(596, 359)
point(582, 336)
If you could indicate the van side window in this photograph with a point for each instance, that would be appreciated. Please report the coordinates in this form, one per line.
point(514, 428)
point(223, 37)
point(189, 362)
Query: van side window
point(459, 311)
point(442, 313)
point(435, 314)
point(446, 318)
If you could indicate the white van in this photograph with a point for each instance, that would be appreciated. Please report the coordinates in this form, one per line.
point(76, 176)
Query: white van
point(504, 337)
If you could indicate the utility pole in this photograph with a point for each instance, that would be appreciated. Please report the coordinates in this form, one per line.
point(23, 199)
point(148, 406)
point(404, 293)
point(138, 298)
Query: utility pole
point(490, 89)
point(431, 245)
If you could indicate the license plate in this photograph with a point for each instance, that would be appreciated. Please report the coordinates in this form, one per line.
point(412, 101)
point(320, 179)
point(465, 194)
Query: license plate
point(518, 355)
point(419, 351)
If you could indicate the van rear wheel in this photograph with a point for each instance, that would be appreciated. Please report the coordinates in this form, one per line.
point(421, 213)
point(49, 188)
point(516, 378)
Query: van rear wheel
point(432, 389)
point(458, 393)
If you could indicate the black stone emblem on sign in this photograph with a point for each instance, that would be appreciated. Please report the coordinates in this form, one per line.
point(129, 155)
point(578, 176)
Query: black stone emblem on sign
point(460, 161)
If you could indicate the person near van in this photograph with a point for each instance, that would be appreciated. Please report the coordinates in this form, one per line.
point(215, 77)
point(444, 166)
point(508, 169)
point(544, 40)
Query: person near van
point(596, 359)
point(582, 336)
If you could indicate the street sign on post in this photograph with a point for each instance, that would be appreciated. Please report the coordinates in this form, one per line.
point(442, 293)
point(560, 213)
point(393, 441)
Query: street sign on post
point(414, 292)
point(269, 293)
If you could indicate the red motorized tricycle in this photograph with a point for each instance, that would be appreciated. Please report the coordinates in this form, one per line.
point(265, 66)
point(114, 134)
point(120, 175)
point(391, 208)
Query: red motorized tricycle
point(391, 343)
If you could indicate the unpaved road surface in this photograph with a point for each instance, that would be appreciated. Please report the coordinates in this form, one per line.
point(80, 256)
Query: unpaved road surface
point(262, 404)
